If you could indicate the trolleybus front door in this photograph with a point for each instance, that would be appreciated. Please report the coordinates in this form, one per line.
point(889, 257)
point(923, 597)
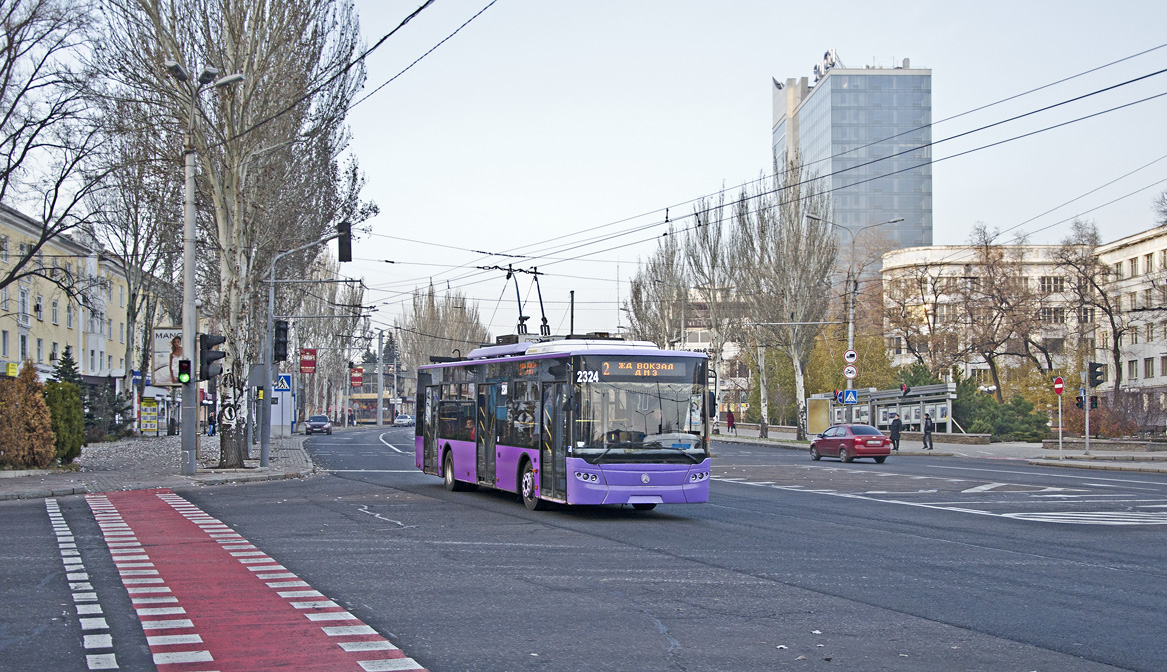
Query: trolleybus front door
point(429, 441)
point(553, 482)
point(485, 434)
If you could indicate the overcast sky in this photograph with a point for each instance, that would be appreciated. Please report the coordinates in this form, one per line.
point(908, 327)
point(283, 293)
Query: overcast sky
point(559, 121)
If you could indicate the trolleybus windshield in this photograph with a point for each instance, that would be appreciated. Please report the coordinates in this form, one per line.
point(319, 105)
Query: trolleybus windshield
point(639, 409)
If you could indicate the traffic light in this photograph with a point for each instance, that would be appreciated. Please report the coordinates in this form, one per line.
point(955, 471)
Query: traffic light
point(1078, 401)
point(344, 244)
point(208, 355)
point(1097, 373)
point(1093, 401)
point(280, 342)
point(904, 389)
point(184, 371)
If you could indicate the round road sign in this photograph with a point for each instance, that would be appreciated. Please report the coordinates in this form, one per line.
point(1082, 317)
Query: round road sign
point(1059, 385)
point(850, 356)
point(850, 371)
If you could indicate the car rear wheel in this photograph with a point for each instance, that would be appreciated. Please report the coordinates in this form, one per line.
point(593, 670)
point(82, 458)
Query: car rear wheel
point(844, 455)
point(880, 459)
point(814, 453)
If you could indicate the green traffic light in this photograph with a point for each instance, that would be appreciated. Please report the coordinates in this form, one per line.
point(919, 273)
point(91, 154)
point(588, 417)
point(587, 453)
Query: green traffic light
point(184, 377)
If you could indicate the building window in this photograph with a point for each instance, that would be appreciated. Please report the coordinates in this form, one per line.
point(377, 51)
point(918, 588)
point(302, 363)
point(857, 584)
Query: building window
point(92, 360)
point(1118, 271)
point(22, 303)
point(1085, 315)
point(1149, 262)
point(1148, 297)
point(1150, 332)
point(1134, 264)
point(69, 315)
point(4, 248)
point(1050, 284)
point(40, 351)
point(53, 353)
point(109, 362)
point(55, 312)
point(121, 362)
point(1104, 340)
point(3, 343)
point(109, 329)
point(1132, 369)
point(1149, 367)
point(4, 299)
point(1132, 301)
point(1163, 365)
point(121, 295)
point(121, 332)
point(23, 347)
point(1055, 346)
point(39, 308)
point(1134, 332)
point(1053, 315)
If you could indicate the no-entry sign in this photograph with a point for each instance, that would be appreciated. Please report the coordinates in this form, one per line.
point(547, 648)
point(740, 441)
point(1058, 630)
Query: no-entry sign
point(1059, 385)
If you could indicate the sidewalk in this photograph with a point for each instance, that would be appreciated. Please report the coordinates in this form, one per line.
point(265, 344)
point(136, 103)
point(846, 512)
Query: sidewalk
point(1033, 453)
point(143, 463)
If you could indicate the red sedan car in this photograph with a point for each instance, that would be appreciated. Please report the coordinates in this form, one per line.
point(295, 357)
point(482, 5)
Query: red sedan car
point(848, 442)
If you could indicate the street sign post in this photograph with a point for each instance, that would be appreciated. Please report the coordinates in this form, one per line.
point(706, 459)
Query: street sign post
point(1059, 387)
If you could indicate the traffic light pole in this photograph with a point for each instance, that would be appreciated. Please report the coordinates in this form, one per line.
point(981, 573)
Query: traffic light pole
point(1086, 406)
point(269, 342)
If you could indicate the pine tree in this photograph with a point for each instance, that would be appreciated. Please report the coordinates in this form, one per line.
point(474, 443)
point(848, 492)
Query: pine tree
point(64, 400)
point(66, 371)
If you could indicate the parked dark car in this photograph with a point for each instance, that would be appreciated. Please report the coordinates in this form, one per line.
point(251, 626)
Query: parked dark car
point(318, 424)
point(848, 442)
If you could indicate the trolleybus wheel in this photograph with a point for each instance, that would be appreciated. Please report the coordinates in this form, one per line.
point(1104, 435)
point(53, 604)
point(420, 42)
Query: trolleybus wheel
point(527, 488)
point(644, 507)
point(451, 483)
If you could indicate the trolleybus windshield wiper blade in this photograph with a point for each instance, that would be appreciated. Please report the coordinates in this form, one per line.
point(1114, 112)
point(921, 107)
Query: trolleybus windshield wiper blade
point(675, 447)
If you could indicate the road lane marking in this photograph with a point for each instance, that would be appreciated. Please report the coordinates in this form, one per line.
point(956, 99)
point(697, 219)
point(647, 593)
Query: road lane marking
point(185, 549)
point(381, 438)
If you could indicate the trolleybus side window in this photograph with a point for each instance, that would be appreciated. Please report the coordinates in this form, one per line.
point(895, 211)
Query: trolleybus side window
point(523, 414)
point(456, 413)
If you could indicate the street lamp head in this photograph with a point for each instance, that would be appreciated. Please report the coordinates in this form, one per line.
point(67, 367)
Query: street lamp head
point(208, 75)
point(893, 221)
point(175, 70)
point(229, 80)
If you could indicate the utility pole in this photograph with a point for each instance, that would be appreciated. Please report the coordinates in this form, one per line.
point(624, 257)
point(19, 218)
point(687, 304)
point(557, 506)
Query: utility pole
point(763, 429)
point(381, 377)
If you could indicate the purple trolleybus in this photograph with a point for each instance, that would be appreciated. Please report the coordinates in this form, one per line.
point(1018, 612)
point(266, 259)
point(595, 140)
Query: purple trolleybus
point(582, 420)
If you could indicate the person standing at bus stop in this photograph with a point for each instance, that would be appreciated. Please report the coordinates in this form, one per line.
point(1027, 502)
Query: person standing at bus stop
point(729, 421)
point(897, 426)
point(929, 426)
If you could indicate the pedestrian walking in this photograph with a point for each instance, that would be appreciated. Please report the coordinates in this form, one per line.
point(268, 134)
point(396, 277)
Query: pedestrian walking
point(729, 424)
point(928, 427)
point(897, 426)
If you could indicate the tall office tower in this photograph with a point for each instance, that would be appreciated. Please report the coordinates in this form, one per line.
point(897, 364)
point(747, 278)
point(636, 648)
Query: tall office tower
point(866, 132)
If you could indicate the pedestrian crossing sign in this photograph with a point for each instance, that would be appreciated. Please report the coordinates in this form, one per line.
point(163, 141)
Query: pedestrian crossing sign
point(284, 384)
point(850, 396)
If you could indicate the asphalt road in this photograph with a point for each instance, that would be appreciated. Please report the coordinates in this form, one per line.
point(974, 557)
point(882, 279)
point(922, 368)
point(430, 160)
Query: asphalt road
point(917, 564)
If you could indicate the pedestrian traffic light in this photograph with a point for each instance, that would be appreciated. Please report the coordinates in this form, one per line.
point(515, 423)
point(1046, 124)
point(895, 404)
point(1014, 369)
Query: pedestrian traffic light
point(1097, 374)
point(280, 342)
point(208, 355)
point(1093, 401)
point(1078, 401)
point(344, 243)
point(904, 389)
point(184, 371)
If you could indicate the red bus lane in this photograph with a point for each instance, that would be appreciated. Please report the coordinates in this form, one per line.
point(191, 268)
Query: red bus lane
point(209, 600)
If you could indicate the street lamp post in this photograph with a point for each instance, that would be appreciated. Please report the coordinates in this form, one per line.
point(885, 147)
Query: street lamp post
point(189, 388)
point(852, 287)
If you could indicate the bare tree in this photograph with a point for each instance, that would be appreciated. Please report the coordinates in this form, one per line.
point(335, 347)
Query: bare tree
point(922, 310)
point(1089, 281)
point(783, 262)
point(707, 258)
point(49, 132)
point(269, 148)
point(657, 293)
point(438, 326)
point(1160, 205)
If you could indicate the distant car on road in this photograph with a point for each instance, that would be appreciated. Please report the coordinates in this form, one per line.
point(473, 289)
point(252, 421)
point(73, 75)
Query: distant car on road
point(848, 442)
point(403, 420)
point(318, 424)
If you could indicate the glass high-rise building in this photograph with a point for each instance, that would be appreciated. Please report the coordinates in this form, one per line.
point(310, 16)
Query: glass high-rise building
point(866, 133)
